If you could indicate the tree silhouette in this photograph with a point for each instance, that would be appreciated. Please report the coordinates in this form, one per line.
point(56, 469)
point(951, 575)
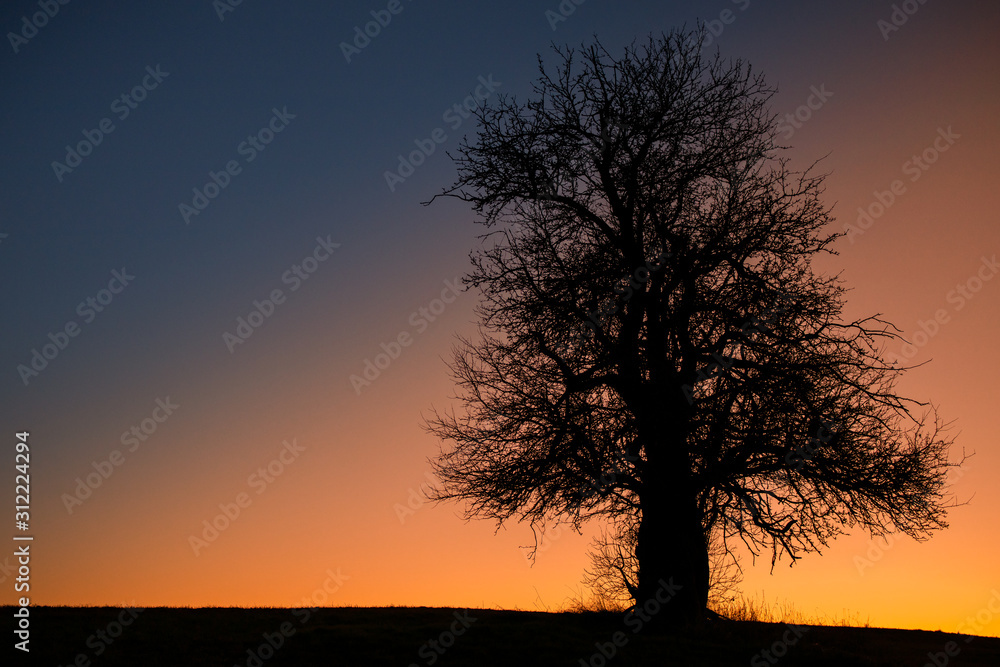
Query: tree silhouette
point(614, 569)
point(654, 342)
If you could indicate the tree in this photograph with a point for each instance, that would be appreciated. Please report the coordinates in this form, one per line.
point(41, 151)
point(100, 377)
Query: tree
point(655, 345)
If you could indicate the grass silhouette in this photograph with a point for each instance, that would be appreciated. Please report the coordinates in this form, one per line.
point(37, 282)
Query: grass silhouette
point(267, 636)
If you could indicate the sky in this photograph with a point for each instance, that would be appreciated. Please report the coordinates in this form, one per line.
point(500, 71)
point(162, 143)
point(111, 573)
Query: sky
point(200, 246)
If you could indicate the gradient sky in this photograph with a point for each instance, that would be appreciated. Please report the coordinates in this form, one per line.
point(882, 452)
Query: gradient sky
point(335, 505)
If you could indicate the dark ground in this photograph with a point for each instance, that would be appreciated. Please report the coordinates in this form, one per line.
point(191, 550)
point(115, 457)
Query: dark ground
point(87, 636)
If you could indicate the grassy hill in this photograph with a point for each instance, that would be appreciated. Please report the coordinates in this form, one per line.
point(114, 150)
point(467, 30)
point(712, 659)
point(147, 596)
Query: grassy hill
point(407, 636)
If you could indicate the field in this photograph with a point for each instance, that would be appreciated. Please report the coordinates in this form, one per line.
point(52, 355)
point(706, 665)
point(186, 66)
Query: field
point(405, 636)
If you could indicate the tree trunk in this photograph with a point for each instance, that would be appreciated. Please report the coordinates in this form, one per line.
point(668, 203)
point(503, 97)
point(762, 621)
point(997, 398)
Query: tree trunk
point(671, 548)
point(673, 558)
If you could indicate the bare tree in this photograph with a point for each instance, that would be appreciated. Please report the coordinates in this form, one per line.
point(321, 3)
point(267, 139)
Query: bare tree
point(654, 342)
